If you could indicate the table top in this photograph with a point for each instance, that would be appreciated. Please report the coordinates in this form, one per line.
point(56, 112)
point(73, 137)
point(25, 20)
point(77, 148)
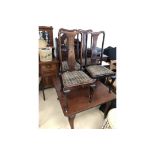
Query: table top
point(78, 99)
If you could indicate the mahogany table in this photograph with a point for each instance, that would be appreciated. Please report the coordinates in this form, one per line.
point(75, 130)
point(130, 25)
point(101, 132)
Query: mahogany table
point(78, 99)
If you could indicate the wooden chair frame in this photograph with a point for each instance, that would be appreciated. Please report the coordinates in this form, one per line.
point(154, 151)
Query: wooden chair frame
point(71, 63)
point(95, 59)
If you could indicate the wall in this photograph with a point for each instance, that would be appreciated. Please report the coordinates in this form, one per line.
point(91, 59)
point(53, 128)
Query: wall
point(96, 25)
point(83, 15)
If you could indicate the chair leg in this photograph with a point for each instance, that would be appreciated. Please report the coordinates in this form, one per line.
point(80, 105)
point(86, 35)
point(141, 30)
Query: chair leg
point(91, 93)
point(107, 108)
point(43, 94)
point(42, 87)
point(65, 103)
point(111, 84)
point(61, 82)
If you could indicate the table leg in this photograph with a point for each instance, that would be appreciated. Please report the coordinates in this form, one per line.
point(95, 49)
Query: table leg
point(65, 92)
point(107, 109)
point(42, 87)
point(111, 84)
point(91, 93)
point(71, 121)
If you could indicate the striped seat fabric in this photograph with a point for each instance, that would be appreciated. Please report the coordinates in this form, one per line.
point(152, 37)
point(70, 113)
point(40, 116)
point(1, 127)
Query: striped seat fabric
point(76, 78)
point(97, 71)
point(65, 66)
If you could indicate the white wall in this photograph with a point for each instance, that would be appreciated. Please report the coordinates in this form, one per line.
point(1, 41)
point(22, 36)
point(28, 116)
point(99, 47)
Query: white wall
point(110, 38)
point(84, 15)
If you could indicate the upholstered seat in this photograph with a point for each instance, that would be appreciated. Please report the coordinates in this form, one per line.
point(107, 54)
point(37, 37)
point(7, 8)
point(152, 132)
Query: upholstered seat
point(65, 66)
point(76, 78)
point(98, 71)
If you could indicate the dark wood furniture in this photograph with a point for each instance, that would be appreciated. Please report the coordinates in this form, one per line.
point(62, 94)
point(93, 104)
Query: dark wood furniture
point(71, 75)
point(64, 51)
point(94, 68)
point(82, 45)
point(49, 69)
point(78, 100)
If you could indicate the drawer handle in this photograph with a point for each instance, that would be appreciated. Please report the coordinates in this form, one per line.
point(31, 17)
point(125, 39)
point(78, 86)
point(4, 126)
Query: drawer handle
point(48, 66)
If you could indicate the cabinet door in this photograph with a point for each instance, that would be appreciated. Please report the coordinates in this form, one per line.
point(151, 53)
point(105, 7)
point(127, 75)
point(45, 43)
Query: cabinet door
point(48, 71)
point(48, 82)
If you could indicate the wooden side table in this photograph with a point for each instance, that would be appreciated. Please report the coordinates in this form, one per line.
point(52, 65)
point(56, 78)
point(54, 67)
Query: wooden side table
point(49, 69)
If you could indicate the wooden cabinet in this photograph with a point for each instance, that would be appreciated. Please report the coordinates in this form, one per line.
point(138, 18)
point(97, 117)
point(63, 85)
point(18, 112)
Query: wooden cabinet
point(48, 71)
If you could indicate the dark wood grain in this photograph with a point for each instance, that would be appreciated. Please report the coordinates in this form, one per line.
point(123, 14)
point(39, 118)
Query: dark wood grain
point(70, 35)
point(78, 100)
point(83, 47)
point(48, 70)
point(71, 121)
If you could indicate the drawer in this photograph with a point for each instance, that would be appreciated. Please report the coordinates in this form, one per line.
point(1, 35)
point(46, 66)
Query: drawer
point(48, 73)
point(48, 67)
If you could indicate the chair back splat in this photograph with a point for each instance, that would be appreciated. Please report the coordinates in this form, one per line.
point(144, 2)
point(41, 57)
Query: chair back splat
point(95, 59)
point(70, 36)
point(83, 48)
point(71, 52)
